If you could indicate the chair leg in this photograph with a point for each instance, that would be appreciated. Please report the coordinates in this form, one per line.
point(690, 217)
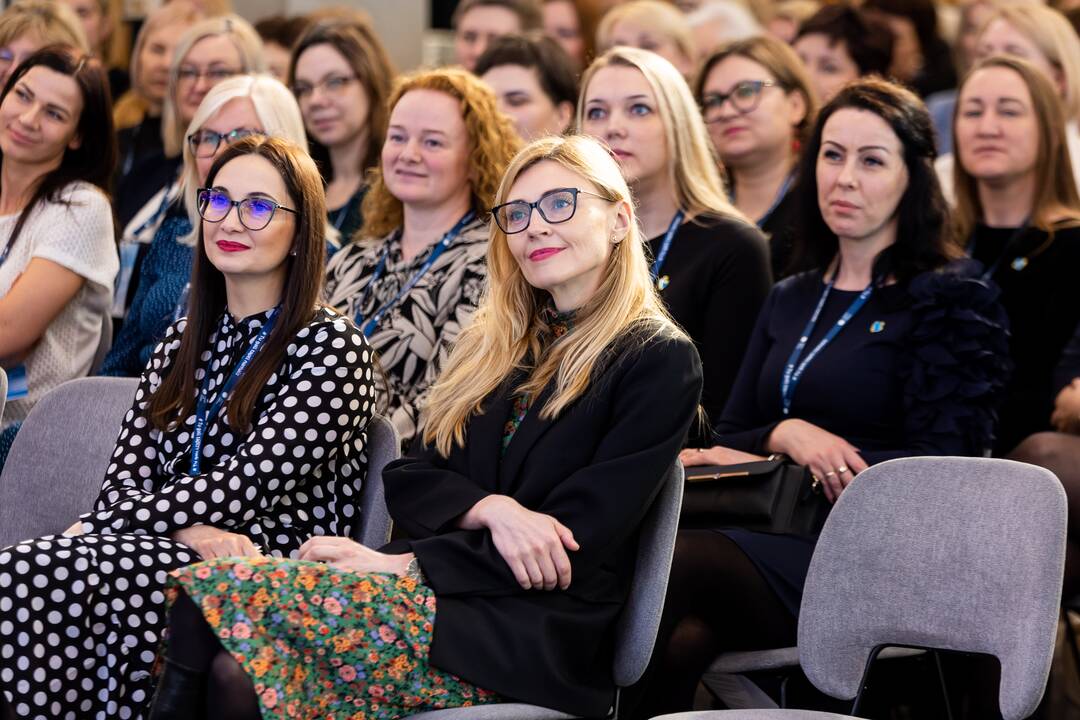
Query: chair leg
point(944, 687)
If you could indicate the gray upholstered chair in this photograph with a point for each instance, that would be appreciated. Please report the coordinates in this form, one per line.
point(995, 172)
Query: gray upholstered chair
point(635, 633)
point(3, 391)
point(961, 554)
point(382, 447)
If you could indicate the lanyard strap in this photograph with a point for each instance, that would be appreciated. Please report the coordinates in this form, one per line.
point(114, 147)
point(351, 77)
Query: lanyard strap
point(368, 326)
point(202, 414)
point(794, 369)
point(1012, 241)
point(665, 245)
point(7, 250)
point(153, 219)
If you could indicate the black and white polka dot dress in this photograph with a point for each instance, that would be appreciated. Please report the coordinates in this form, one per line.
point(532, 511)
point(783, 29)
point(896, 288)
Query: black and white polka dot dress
point(81, 617)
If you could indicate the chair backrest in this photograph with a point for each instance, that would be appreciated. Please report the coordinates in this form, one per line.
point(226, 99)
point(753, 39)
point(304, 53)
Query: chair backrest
point(104, 344)
point(636, 631)
point(3, 391)
point(58, 460)
point(961, 554)
point(382, 447)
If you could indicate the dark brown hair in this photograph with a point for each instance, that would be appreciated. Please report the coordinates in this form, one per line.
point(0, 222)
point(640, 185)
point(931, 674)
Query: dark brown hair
point(867, 40)
point(528, 11)
point(533, 51)
point(176, 396)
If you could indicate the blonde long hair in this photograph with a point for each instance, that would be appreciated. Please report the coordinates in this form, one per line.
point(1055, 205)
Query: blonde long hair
point(692, 161)
point(508, 331)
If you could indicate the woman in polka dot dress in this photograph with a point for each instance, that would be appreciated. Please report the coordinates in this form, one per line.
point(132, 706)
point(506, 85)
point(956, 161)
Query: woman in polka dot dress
point(271, 390)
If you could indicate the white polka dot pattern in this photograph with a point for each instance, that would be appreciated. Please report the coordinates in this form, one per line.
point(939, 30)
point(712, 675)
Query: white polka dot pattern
point(80, 618)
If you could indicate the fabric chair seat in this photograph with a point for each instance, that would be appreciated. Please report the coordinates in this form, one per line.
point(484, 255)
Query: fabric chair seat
point(740, 663)
point(507, 711)
point(755, 715)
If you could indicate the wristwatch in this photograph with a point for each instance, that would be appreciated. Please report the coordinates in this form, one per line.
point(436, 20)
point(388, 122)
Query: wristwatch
point(412, 570)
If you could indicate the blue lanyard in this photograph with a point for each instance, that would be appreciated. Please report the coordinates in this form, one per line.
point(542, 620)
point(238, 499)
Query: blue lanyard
point(665, 245)
point(369, 326)
point(7, 250)
point(201, 412)
point(1017, 264)
point(776, 201)
point(150, 221)
point(794, 370)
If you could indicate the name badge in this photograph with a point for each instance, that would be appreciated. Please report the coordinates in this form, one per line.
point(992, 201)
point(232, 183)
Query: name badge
point(17, 384)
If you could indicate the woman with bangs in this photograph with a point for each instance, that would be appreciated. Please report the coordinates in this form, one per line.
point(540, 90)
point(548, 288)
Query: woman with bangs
point(414, 275)
point(547, 437)
point(710, 264)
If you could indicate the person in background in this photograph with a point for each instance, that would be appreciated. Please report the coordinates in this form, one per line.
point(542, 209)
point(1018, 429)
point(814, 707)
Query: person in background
point(650, 25)
point(572, 24)
point(839, 44)
point(26, 26)
point(877, 305)
point(719, 22)
point(477, 22)
point(414, 276)
point(920, 58)
point(759, 106)
point(99, 20)
point(788, 17)
point(1018, 213)
point(240, 106)
point(711, 264)
point(57, 247)
point(341, 76)
point(279, 34)
point(535, 82)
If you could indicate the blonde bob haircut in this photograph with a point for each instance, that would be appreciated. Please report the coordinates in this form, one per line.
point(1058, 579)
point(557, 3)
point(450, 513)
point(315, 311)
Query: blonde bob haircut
point(492, 143)
point(692, 161)
point(1056, 199)
point(508, 332)
point(53, 23)
point(248, 45)
point(662, 17)
point(275, 107)
point(1048, 30)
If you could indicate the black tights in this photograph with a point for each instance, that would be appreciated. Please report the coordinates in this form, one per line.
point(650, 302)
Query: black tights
point(230, 695)
point(1060, 454)
point(717, 601)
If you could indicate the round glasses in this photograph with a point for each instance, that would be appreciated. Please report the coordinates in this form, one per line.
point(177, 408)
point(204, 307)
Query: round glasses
point(204, 143)
point(555, 206)
point(255, 213)
point(745, 97)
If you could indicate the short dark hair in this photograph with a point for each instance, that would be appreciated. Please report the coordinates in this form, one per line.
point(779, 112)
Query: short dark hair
point(528, 11)
point(921, 237)
point(283, 30)
point(868, 41)
point(553, 66)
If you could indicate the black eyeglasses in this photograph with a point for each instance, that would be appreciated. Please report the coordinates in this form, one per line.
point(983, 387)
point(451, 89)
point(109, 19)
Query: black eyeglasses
point(255, 213)
point(333, 85)
point(555, 206)
point(190, 74)
point(204, 143)
point(745, 97)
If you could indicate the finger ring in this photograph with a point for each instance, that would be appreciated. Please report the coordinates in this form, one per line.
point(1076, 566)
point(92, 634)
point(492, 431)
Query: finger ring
point(816, 482)
point(830, 473)
point(701, 450)
point(842, 469)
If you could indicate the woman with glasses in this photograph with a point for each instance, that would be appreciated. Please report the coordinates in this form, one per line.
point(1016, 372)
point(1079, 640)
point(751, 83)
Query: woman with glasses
point(710, 265)
point(759, 107)
point(26, 26)
point(341, 76)
point(549, 433)
point(416, 272)
point(239, 106)
point(246, 438)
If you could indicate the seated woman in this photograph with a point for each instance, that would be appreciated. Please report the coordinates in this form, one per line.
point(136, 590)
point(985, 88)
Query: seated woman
point(879, 350)
point(57, 252)
point(27, 26)
point(840, 43)
point(756, 98)
point(246, 437)
point(1018, 213)
point(415, 275)
point(548, 434)
point(235, 108)
point(650, 25)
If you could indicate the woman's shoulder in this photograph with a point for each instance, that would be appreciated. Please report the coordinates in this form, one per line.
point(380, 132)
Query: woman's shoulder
point(83, 194)
point(652, 342)
point(730, 226)
point(330, 329)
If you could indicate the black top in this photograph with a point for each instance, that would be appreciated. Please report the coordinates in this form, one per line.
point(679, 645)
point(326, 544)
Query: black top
point(596, 468)
point(779, 228)
point(715, 278)
point(916, 372)
point(1036, 276)
point(1069, 367)
point(143, 168)
point(348, 218)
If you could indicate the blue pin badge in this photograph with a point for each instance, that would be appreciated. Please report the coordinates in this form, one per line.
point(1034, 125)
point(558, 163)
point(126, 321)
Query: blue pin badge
point(877, 326)
point(663, 282)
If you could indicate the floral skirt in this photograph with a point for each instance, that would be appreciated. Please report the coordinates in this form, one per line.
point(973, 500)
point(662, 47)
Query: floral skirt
point(318, 642)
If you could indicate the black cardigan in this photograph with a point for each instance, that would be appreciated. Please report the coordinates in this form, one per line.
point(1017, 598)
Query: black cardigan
point(596, 468)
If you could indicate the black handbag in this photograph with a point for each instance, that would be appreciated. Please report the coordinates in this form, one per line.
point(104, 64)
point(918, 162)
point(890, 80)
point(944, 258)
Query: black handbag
point(773, 496)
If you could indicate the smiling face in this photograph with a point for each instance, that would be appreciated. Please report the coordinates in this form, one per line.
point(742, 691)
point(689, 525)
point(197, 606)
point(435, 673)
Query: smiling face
point(237, 114)
point(741, 136)
point(997, 134)
point(39, 118)
point(208, 62)
point(521, 97)
point(478, 27)
point(232, 248)
point(621, 111)
point(333, 101)
point(425, 159)
point(861, 176)
point(566, 259)
point(829, 64)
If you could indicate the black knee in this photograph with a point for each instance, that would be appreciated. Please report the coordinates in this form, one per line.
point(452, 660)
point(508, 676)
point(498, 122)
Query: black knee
point(1044, 449)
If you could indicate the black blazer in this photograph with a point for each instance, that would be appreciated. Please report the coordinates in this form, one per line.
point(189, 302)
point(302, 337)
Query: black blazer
point(597, 469)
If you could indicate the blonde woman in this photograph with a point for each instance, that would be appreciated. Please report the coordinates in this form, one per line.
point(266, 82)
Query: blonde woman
point(710, 264)
point(26, 26)
point(558, 412)
point(650, 25)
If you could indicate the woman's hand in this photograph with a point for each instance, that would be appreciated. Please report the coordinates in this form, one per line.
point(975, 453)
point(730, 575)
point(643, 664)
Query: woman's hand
point(1066, 416)
point(211, 542)
point(831, 459)
point(716, 455)
point(351, 556)
point(75, 530)
point(533, 544)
